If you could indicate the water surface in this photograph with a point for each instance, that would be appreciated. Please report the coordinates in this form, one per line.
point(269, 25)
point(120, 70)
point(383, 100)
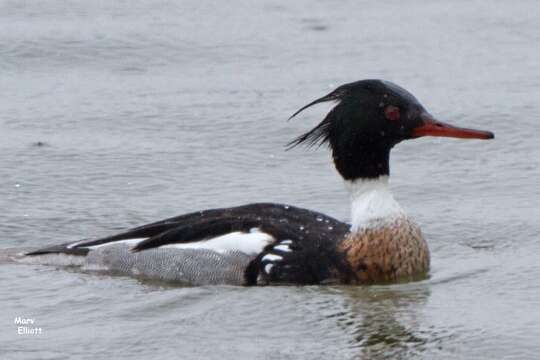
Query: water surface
point(115, 115)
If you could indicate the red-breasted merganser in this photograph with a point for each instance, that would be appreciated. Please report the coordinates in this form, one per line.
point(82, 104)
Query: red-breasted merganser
point(268, 243)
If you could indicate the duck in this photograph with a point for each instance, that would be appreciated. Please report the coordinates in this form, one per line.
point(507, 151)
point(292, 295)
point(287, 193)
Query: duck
point(273, 244)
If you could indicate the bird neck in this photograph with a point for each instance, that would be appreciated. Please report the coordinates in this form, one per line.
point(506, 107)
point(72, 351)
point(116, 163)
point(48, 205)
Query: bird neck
point(372, 203)
point(369, 159)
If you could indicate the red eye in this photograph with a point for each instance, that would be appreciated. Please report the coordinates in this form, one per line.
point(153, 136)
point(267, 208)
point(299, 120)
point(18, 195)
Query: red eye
point(391, 113)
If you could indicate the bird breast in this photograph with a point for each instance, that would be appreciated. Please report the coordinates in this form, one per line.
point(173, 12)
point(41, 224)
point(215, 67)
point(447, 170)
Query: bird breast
point(385, 250)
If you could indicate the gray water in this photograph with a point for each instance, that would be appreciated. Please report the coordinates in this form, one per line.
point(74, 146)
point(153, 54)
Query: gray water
point(120, 113)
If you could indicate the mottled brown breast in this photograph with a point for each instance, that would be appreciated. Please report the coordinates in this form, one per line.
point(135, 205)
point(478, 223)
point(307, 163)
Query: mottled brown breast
point(387, 251)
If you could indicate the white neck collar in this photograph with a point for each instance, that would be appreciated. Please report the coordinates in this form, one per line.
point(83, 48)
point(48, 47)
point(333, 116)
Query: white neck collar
point(371, 202)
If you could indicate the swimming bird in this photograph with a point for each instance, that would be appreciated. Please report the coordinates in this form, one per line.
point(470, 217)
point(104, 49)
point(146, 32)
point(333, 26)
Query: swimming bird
point(266, 243)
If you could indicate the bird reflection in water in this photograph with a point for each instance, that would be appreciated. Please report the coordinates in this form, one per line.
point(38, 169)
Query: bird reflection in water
point(385, 321)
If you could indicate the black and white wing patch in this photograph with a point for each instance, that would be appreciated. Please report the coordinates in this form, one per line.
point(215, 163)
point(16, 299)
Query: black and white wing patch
point(276, 258)
point(224, 235)
point(297, 260)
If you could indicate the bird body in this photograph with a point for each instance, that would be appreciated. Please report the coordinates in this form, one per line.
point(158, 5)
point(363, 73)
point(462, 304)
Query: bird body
point(265, 243)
